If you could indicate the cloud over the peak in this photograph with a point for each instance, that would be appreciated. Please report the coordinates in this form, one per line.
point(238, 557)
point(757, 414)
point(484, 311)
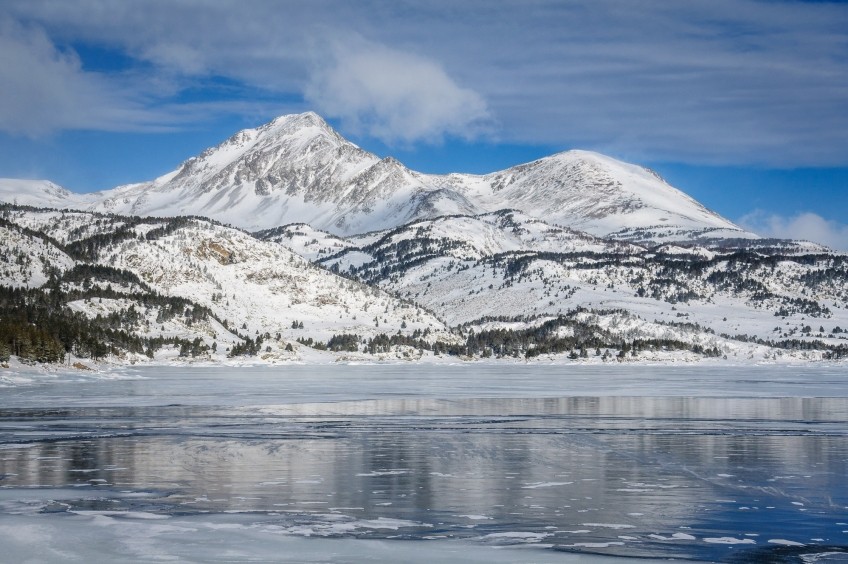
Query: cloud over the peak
point(806, 226)
point(719, 82)
point(394, 96)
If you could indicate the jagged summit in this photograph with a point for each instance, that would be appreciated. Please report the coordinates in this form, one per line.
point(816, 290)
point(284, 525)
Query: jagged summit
point(297, 168)
point(293, 157)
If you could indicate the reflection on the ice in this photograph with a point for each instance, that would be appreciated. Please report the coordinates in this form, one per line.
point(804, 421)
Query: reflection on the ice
point(682, 477)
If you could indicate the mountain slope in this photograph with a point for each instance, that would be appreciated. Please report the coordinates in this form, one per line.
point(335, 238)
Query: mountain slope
point(510, 270)
point(597, 194)
point(509, 285)
point(27, 258)
point(297, 169)
point(250, 287)
point(38, 193)
point(294, 169)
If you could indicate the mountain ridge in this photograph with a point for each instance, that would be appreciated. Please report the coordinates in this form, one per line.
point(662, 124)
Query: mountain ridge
point(297, 168)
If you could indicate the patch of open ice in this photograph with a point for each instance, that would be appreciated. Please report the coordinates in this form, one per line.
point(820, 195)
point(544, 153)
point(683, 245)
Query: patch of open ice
point(675, 536)
point(535, 485)
point(595, 544)
point(729, 540)
point(824, 557)
point(384, 473)
point(520, 535)
point(386, 523)
point(122, 514)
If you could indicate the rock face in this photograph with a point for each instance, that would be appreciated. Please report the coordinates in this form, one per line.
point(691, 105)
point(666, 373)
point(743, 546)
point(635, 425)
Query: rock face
point(297, 169)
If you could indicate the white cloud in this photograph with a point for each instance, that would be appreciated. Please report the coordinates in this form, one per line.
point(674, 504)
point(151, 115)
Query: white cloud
point(41, 86)
point(704, 81)
point(394, 96)
point(45, 89)
point(805, 225)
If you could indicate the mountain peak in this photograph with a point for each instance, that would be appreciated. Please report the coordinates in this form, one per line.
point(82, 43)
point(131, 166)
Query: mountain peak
point(297, 168)
point(294, 122)
point(33, 192)
point(251, 154)
point(304, 119)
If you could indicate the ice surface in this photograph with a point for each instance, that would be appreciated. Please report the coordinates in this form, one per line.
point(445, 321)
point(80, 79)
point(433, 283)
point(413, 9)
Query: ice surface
point(290, 384)
point(445, 463)
point(206, 539)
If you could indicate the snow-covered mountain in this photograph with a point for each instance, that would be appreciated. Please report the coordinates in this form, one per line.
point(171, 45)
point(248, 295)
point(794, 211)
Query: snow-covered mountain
point(501, 283)
point(357, 253)
point(597, 194)
point(251, 287)
point(297, 169)
point(509, 271)
point(39, 193)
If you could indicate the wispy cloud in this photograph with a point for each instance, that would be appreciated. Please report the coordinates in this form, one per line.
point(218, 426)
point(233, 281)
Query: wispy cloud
point(805, 225)
point(704, 81)
point(46, 89)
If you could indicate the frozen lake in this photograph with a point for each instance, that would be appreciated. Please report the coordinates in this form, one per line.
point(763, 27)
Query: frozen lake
point(424, 463)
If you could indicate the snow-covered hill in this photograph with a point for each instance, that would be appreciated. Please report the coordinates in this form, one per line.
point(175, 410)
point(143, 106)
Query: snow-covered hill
point(297, 169)
point(507, 284)
point(571, 251)
point(251, 287)
point(27, 258)
point(39, 193)
point(509, 270)
point(305, 240)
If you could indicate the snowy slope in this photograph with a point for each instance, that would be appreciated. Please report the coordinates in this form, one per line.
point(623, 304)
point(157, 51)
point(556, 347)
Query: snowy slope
point(294, 169)
point(303, 239)
point(262, 287)
point(460, 237)
point(502, 270)
point(257, 286)
point(597, 194)
point(510, 270)
point(531, 286)
point(38, 193)
point(27, 259)
point(297, 169)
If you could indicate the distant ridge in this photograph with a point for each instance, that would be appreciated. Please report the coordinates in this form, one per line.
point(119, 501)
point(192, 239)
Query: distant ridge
point(297, 169)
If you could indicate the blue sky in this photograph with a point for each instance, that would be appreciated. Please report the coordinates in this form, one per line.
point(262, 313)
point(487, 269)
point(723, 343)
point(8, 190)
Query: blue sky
point(742, 104)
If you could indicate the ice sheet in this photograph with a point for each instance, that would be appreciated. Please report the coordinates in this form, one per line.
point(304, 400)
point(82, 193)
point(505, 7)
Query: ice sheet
point(468, 463)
